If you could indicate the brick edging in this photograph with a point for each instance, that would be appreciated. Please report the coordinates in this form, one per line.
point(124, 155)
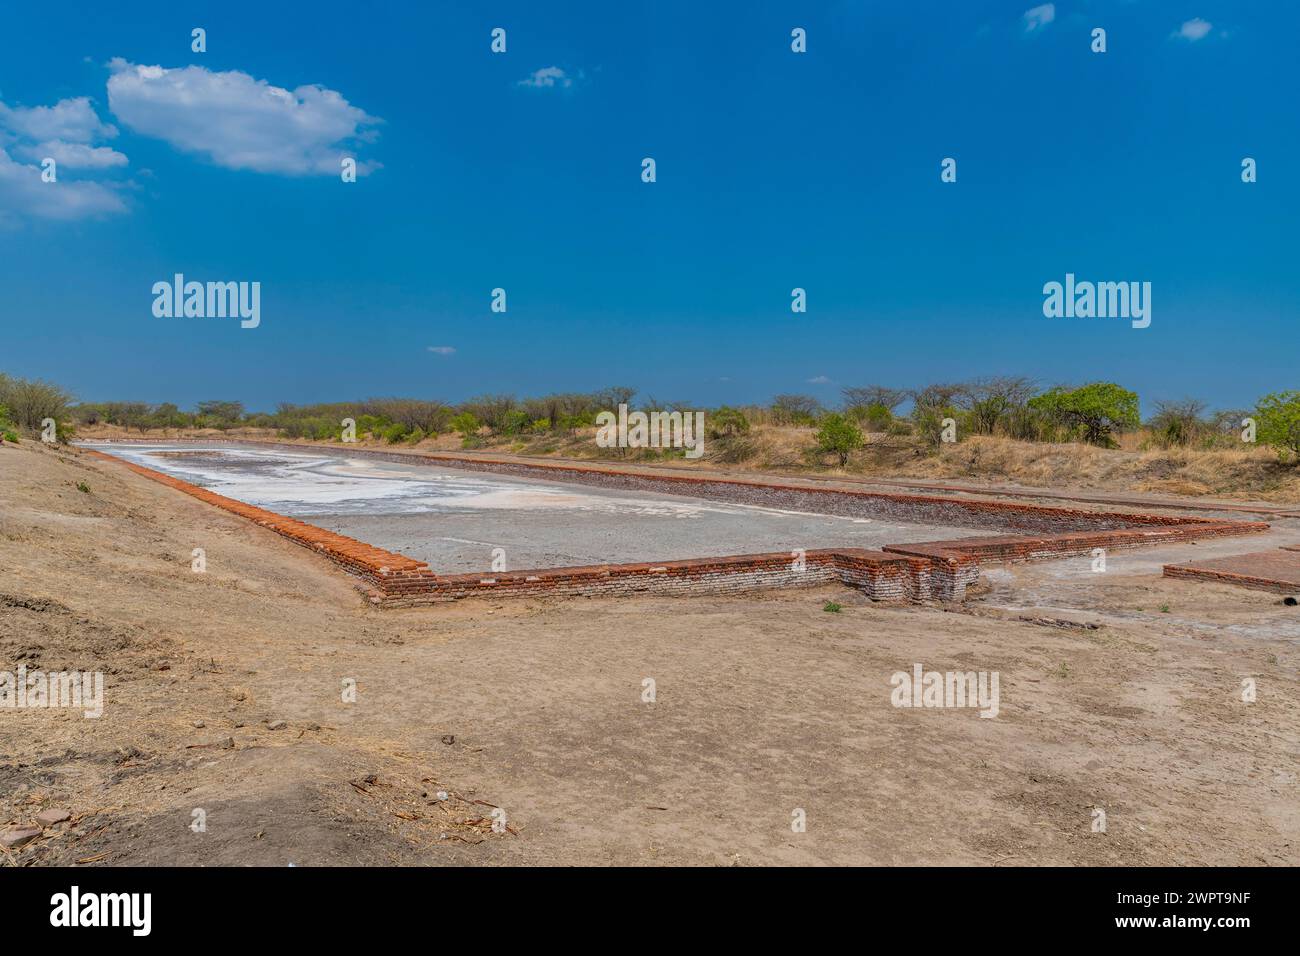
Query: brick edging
point(375, 565)
point(1251, 581)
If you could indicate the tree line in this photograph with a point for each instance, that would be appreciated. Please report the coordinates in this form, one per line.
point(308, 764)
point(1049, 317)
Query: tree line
point(1011, 406)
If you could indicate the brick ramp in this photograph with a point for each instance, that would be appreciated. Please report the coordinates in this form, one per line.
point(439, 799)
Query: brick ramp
point(1277, 571)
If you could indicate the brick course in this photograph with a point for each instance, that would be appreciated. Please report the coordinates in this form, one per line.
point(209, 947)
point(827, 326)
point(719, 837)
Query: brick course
point(1277, 571)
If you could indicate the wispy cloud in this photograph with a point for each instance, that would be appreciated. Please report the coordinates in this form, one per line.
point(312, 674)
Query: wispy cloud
point(1193, 30)
point(73, 155)
point(63, 133)
point(240, 122)
point(819, 380)
point(1040, 16)
point(25, 195)
point(73, 120)
point(442, 349)
point(548, 77)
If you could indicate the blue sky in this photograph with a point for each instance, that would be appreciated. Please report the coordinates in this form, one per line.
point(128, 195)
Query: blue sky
point(775, 170)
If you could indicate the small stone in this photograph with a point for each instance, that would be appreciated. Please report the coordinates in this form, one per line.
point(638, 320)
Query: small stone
point(448, 739)
point(277, 725)
point(199, 725)
point(18, 836)
point(313, 726)
point(47, 818)
point(226, 743)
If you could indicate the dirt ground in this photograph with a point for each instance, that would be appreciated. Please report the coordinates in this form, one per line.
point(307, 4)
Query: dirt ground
point(764, 705)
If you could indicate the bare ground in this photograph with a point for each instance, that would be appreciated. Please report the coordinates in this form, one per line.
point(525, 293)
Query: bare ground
point(764, 704)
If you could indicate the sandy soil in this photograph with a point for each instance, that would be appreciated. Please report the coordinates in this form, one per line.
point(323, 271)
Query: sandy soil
point(1130, 702)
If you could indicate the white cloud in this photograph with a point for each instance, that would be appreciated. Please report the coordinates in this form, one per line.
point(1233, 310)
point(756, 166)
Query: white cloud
point(548, 77)
point(1040, 16)
point(74, 155)
point(442, 349)
point(240, 122)
point(819, 380)
point(1193, 30)
point(71, 120)
point(23, 194)
point(63, 132)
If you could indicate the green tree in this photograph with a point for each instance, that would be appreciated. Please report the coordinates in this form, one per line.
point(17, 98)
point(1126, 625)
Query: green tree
point(221, 414)
point(1095, 411)
point(839, 435)
point(30, 402)
point(1277, 423)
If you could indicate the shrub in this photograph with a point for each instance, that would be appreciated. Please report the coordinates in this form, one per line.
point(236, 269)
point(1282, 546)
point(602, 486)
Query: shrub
point(989, 401)
point(726, 422)
point(466, 424)
point(795, 410)
point(929, 422)
point(512, 422)
point(1178, 423)
point(371, 424)
point(732, 451)
point(858, 400)
point(394, 433)
point(571, 423)
point(1277, 423)
point(1029, 424)
point(877, 417)
point(838, 435)
point(30, 402)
